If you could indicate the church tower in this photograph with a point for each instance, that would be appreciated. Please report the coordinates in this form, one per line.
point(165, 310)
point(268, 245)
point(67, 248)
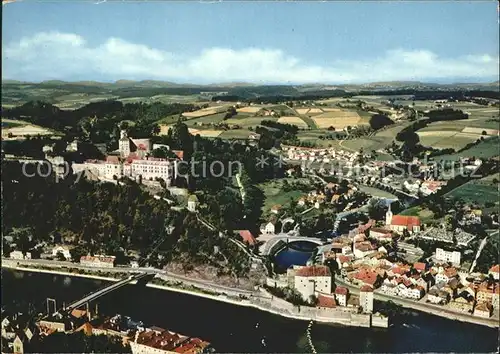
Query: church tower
point(388, 215)
point(124, 144)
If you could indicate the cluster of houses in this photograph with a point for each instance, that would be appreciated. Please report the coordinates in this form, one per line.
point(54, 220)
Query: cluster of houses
point(316, 282)
point(326, 155)
point(140, 338)
point(425, 187)
point(362, 263)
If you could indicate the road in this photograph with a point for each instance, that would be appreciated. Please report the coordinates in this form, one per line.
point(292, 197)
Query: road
point(479, 250)
point(165, 275)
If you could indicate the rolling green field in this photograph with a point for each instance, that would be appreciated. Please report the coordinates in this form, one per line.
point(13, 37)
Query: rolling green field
point(246, 120)
point(479, 191)
point(275, 195)
point(214, 118)
point(486, 149)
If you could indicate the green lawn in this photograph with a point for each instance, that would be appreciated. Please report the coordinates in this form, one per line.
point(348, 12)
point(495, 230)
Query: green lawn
point(425, 215)
point(377, 192)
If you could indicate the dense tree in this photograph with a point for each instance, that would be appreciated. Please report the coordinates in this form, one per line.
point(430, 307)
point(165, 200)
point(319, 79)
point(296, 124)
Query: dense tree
point(378, 121)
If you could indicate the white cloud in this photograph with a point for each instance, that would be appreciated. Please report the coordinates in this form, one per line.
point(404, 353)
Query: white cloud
point(54, 55)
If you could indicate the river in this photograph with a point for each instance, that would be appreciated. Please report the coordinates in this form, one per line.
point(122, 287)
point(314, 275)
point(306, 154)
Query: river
point(239, 329)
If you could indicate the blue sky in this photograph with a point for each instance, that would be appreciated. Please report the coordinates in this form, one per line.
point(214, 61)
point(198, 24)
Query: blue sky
point(263, 42)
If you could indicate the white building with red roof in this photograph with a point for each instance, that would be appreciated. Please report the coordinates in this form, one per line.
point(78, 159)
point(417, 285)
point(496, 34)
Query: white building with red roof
point(399, 223)
point(366, 298)
point(310, 280)
point(98, 261)
point(494, 271)
point(341, 294)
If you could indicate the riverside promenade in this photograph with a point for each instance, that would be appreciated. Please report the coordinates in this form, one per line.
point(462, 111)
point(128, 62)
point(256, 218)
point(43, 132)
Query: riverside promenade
point(437, 310)
point(259, 299)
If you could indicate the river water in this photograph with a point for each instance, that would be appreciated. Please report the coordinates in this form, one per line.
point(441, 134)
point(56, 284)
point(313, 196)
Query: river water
point(238, 329)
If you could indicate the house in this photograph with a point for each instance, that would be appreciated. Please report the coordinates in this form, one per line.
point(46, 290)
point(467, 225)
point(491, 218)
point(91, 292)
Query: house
point(420, 267)
point(399, 223)
point(20, 255)
point(343, 261)
point(366, 298)
point(275, 209)
point(326, 301)
point(494, 271)
point(363, 249)
point(311, 279)
point(367, 277)
point(63, 250)
point(448, 256)
point(98, 261)
point(247, 237)
point(192, 203)
point(437, 296)
point(446, 275)
point(462, 304)
point(268, 228)
point(301, 201)
point(483, 309)
point(381, 234)
point(341, 294)
point(389, 289)
point(415, 292)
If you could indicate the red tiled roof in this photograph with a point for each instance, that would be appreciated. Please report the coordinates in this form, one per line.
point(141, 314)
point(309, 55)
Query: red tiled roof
point(179, 154)
point(247, 237)
point(105, 259)
point(450, 272)
point(420, 266)
point(340, 290)
point(366, 288)
point(495, 269)
point(343, 259)
point(403, 220)
point(112, 159)
point(313, 271)
point(326, 301)
point(366, 276)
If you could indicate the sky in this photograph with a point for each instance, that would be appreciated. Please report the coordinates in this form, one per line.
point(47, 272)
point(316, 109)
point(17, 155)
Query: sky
point(261, 42)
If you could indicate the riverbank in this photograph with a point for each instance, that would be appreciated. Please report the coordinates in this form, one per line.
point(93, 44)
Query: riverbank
point(427, 308)
point(260, 300)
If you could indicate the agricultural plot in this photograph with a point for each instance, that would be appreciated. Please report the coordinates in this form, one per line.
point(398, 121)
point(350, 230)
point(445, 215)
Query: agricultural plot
point(299, 122)
point(338, 120)
point(248, 121)
point(367, 143)
point(206, 120)
point(20, 131)
point(208, 133)
point(235, 134)
point(200, 113)
point(249, 109)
